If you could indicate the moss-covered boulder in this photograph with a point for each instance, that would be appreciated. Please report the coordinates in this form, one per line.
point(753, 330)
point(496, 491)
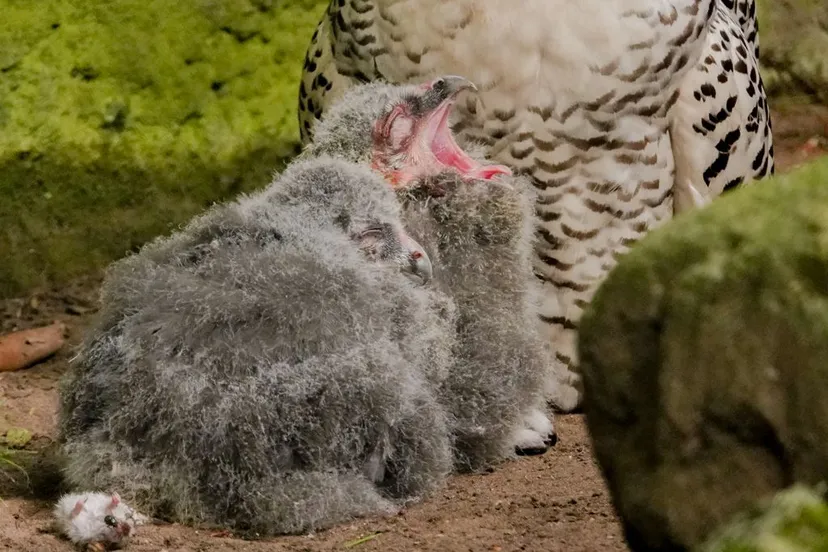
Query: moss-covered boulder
point(705, 361)
point(120, 118)
point(793, 38)
point(796, 520)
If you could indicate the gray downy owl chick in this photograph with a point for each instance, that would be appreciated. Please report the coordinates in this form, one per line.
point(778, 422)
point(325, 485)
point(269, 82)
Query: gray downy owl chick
point(482, 231)
point(479, 235)
point(267, 369)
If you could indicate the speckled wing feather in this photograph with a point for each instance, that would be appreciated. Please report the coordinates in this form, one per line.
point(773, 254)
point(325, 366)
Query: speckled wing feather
point(744, 13)
point(337, 58)
point(721, 127)
point(321, 81)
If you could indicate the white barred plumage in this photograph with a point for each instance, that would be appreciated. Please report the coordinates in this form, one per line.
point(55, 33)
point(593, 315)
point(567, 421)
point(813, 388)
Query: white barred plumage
point(623, 112)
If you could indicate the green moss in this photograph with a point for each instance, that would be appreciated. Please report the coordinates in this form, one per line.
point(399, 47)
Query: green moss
point(793, 40)
point(17, 437)
point(119, 119)
point(796, 520)
point(703, 360)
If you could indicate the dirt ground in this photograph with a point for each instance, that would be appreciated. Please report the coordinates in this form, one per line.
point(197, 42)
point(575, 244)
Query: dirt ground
point(557, 501)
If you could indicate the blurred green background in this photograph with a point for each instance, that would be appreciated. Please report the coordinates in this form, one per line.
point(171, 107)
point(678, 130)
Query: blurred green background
point(120, 119)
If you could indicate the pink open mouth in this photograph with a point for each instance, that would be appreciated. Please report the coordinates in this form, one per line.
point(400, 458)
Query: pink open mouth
point(439, 137)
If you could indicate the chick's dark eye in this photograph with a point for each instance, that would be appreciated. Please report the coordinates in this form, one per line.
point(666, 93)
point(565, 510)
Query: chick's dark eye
point(111, 521)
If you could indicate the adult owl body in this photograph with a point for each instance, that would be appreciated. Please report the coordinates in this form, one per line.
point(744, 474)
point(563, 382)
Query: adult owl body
point(623, 112)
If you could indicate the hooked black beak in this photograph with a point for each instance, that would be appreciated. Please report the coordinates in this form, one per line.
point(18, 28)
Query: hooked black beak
point(439, 91)
point(417, 264)
point(420, 267)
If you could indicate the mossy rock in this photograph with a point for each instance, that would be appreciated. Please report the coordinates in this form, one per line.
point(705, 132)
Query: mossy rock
point(796, 520)
point(793, 37)
point(120, 119)
point(704, 365)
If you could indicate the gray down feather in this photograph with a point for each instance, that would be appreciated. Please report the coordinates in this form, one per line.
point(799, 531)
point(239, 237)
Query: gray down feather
point(479, 236)
point(255, 371)
point(345, 132)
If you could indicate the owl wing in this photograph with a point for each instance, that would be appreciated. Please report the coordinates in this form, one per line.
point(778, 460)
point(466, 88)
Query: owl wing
point(720, 126)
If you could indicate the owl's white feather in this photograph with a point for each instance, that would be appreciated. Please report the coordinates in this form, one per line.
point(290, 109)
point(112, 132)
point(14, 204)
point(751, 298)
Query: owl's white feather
point(595, 100)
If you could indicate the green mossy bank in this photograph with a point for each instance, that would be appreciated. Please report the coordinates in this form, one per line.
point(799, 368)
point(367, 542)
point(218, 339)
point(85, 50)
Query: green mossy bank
point(704, 361)
point(793, 43)
point(120, 119)
point(796, 520)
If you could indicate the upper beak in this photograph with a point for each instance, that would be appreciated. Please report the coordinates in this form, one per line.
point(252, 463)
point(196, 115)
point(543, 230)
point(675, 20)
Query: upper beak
point(417, 263)
point(420, 266)
point(451, 85)
point(442, 89)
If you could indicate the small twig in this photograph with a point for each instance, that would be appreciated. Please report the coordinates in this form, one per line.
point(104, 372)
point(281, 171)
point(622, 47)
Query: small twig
point(362, 540)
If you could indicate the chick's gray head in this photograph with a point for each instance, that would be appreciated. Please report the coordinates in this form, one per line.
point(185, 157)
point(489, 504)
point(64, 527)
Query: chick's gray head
point(402, 131)
point(386, 242)
point(323, 191)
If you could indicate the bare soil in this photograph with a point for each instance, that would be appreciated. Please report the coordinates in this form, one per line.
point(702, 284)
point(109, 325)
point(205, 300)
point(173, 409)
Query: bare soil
point(557, 501)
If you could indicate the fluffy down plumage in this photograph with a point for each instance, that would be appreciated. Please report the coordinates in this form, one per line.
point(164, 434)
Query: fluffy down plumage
point(255, 371)
point(479, 235)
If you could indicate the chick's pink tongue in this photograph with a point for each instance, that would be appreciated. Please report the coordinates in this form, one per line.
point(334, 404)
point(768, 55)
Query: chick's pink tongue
point(448, 153)
point(487, 172)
